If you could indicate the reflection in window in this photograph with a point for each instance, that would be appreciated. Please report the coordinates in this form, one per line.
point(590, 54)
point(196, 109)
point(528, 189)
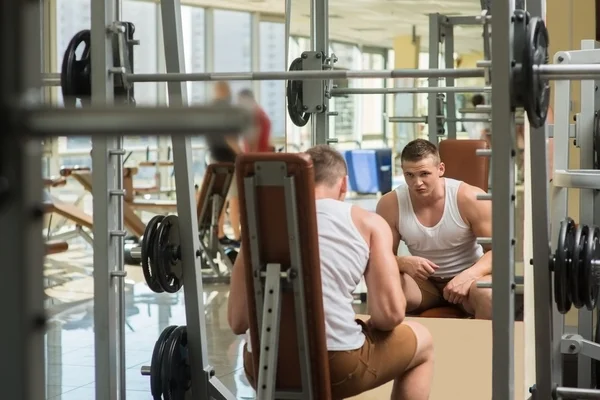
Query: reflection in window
point(232, 45)
point(272, 58)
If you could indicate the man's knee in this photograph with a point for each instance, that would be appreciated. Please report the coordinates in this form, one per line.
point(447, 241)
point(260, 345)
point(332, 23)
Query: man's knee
point(424, 350)
point(477, 293)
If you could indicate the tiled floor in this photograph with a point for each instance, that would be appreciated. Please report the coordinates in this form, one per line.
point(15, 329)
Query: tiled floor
point(70, 371)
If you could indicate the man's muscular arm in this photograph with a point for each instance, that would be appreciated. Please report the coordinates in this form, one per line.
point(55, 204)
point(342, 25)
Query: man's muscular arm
point(478, 215)
point(388, 208)
point(388, 307)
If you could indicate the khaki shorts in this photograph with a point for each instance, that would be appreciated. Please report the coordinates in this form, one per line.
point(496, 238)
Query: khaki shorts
point(432, 295)
point(383, 357)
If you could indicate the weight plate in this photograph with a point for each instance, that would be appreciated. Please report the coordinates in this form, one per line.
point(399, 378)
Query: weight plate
point(561, 263)
point(147, 255)
point(175, 366)
point(577, 266)
point(591, 253)
point(295, 105)
point(168, 265)
point(75, 74)
point(156, 381)
point(537, 88)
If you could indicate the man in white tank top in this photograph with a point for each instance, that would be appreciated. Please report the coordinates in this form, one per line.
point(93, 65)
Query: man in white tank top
point(440, 220)
point(364, 352)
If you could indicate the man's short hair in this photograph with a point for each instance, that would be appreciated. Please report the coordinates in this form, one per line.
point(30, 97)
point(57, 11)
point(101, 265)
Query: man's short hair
point(246, 93)
point(477, 100)
point(329, 165)
point(419, 149)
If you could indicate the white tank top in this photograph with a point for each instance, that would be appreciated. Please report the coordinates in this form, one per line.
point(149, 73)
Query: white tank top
point(344, 257)
point(450, 244)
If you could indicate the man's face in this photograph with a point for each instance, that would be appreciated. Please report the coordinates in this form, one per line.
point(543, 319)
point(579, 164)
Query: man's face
point(423, 176)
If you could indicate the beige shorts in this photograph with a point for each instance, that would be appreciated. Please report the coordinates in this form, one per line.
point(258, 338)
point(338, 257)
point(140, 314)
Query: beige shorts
point(383, 357)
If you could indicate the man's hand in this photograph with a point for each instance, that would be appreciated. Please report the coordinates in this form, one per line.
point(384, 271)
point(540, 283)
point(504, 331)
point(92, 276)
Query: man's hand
point(416, 267)
point(457, 290)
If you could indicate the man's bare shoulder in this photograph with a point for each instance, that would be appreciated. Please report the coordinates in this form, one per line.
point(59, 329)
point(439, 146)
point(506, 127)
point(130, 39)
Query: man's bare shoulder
point(367, 221)
point(467, 194)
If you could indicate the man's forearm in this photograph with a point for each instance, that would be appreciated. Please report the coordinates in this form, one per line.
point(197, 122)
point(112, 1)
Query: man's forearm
point(482, 267)
point(401, 262)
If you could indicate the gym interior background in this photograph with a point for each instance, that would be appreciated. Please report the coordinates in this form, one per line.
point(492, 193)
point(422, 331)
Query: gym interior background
point(246, 36)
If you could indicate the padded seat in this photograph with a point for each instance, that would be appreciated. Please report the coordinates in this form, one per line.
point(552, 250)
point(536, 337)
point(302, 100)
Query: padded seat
point(463, 164)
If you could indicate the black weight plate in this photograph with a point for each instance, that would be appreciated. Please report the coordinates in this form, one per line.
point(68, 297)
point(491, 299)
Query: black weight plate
point(591, 253)
point(295, 105)
point(537, 88)
point(146, 251)
point(561, 265)
point(175, 366)
point(577, 277)
point(156, 382)
point(168, 265)
point(75, 74)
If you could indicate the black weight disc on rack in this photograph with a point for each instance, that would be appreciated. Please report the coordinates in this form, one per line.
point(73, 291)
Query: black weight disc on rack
point(75, 74)
point(590, 273)
point(175, 366)
point(577, 276)
point(561, 265)
point(537, 88)
point(294, 96)
point(148, 256)
point(166, 253)
point(156, 381)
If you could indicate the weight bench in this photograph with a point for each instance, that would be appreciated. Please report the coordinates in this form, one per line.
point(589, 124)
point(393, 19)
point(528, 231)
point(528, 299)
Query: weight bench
point(133, 223)
point(462, 163)
point(210, 203)
point(52, 205)
point(283, 277)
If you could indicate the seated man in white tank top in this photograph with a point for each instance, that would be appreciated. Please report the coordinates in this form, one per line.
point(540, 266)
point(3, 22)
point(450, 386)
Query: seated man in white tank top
point(439, 219)
point(363, 353)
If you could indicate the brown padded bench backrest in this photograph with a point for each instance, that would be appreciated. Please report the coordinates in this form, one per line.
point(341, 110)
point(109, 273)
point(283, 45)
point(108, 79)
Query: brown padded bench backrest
point(274, 247)
point(463, 164)
point(218, 178)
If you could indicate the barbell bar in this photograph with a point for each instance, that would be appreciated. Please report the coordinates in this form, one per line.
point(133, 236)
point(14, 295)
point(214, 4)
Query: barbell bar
point(303, 75)
point(434, 89)
point(548, 71)
point(105, 120)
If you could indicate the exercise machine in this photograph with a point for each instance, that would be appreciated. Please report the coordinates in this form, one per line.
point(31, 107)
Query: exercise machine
point(214, 255)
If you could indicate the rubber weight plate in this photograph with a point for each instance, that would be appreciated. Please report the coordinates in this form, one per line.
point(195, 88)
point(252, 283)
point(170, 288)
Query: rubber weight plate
point(537, 88)
point(577, 276)
point(590, 279)
point(175, 372)
point(561, 265)
point(147, 256)
point(75, 74)
point(166, 253)
point(156, 381)
point(294, 96)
